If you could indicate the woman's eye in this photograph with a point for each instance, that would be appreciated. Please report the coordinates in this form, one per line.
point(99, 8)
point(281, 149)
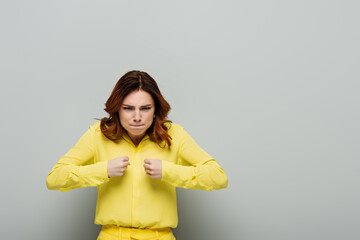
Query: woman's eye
point(130, 108)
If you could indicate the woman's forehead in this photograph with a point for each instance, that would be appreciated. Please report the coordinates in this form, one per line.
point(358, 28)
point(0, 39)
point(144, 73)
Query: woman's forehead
point(137, 98)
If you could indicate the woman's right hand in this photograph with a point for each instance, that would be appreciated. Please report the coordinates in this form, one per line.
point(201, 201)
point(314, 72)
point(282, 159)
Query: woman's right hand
point(117, 166)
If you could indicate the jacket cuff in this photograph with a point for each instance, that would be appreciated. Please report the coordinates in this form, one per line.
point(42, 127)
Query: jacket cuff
point(166, 168)
point(94, 174)
point(174, 174)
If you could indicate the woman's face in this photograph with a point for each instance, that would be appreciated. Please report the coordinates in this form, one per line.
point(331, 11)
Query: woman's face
point(136, 114)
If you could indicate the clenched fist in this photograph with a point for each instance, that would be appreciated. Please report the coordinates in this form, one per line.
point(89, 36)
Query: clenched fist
point(117, 166)
point(153, 167)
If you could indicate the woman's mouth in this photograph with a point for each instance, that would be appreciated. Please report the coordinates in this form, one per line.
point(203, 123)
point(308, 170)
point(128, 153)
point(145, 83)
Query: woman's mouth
point(136, 126)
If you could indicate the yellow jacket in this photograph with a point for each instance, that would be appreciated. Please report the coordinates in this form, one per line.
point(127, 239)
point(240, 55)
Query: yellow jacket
point(134, 199)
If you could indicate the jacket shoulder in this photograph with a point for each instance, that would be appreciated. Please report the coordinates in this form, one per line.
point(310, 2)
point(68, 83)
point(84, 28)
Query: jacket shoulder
point(95, 126)
point(174, 128)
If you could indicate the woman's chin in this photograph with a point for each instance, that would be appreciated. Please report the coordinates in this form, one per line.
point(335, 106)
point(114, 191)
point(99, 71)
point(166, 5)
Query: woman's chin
point(136, 133)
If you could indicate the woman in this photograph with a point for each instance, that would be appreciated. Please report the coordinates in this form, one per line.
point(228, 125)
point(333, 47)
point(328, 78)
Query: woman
point(136, 158)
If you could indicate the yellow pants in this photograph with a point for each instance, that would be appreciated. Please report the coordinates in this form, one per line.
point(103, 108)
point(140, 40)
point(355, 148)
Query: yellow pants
point(113, 232)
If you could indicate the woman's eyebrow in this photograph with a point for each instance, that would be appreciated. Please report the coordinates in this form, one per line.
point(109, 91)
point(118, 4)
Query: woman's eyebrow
point(147, 105)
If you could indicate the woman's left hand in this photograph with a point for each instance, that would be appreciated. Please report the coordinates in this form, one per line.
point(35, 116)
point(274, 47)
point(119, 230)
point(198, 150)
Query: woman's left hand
point(153, 167)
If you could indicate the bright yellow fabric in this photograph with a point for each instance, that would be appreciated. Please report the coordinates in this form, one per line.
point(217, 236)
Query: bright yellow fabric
point(134, 199)
point(113, 232)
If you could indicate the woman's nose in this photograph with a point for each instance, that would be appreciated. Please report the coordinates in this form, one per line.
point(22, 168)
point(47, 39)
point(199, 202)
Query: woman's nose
point(137, 116)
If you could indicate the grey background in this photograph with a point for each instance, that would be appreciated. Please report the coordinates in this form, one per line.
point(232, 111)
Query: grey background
point(268, 88)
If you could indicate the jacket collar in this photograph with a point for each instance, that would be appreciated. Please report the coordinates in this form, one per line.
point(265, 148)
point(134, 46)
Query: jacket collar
point(126, 137)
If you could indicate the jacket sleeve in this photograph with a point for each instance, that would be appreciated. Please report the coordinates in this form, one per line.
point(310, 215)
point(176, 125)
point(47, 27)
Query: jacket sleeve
point(77, 169)
point(198, 170)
